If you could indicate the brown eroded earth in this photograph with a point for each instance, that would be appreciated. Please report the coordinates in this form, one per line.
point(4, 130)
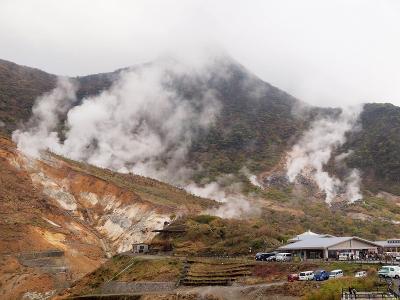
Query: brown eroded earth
point(61, 219)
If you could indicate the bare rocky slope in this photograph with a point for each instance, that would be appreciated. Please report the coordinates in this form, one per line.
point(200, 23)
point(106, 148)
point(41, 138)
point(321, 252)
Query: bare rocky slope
point(61, 219)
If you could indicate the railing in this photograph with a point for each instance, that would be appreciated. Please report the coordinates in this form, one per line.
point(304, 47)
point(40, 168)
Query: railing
point(392, 286)
point(351, 293)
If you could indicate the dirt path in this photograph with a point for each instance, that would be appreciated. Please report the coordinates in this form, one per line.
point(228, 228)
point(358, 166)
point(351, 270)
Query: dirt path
point(234, 292)
point(166, 290)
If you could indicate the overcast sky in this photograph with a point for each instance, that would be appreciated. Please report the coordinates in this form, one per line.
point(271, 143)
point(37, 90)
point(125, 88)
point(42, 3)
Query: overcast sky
point(330, 53)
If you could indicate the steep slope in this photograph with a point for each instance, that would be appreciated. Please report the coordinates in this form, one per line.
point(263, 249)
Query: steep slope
point(32, 224)
point(377, 147)
point(255, 126)
point(19, 86)
point(255, 119)
point(83, 212)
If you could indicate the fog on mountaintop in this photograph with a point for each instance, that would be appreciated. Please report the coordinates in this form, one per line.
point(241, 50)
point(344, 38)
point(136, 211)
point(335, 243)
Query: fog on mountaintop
point(327, 53)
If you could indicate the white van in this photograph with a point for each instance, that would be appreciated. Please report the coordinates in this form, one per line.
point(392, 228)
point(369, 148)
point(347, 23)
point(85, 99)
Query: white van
point(336, 273)
point(283, 257)
point(389, 271)
point(361, 274)
point(306, 275)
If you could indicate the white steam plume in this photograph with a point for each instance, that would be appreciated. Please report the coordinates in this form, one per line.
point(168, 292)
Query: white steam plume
point(314, 150)
point(141, 124)
point(40, 132)
point(234, 203)
point(251, 177)
point(353, 186)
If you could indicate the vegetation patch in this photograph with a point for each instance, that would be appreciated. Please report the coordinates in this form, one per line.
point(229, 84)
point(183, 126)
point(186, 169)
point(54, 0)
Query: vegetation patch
point(127, 269)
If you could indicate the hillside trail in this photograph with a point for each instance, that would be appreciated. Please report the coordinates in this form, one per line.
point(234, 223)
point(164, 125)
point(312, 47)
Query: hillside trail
point(235, 291)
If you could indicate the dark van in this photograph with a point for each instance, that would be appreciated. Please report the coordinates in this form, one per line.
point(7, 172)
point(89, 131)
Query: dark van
point(264, 256)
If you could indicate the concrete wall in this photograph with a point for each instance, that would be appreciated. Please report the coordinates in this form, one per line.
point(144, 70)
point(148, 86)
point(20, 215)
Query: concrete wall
point(117, 287)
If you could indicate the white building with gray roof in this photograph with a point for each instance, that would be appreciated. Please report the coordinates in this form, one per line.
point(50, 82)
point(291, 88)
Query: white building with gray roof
point(310, 245)
point(391, 245)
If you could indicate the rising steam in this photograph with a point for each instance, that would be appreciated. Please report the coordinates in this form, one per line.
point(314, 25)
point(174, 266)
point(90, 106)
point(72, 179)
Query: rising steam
point(234, 203)
point(143, 124)
point(309, 156)
point(40, 132)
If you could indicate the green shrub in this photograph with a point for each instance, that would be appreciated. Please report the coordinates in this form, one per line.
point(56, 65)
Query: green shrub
point(204, 219)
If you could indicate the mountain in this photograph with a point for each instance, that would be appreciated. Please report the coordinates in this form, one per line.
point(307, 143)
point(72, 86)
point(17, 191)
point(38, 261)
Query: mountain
point(19, 87)
point(219, 130)
point(376, 147)
point(255, 119)
point(62, 219)
point(254, 128)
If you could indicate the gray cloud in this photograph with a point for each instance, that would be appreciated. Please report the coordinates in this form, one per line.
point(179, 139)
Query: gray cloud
point(329, 52)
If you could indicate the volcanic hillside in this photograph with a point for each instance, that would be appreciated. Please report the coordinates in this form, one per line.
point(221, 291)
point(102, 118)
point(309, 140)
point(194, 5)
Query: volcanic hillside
point(61, 219)
point(255, 127)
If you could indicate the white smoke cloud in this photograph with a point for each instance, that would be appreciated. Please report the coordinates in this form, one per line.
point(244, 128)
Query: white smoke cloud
point(353, 186)
point(40, 132)
point(251, 177)
point(314, 150)
point(234, 203)
point(136, 124)
point(254, 181)
point(141, 124)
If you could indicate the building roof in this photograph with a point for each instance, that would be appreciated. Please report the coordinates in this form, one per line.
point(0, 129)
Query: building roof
point(307, 235)
point(392, 243)
point(318, 242)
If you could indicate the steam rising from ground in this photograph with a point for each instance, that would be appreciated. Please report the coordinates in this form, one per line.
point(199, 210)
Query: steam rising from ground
point(40, 132)
point(142, 124)
point(235, 204)
point(309, 156)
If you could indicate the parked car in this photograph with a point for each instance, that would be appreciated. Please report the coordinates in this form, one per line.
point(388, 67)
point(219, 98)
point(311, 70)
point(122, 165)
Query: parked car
point(306, 275)
point(361, 274)
point(389, 271)
point(283, 257)
point(293, 277)
point(321, 275)
point(272, 258)
point(264, 256)
point(348, 256)
point(336, 273)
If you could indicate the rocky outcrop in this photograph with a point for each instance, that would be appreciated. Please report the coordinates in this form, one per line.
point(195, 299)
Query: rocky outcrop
point(86, 213)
